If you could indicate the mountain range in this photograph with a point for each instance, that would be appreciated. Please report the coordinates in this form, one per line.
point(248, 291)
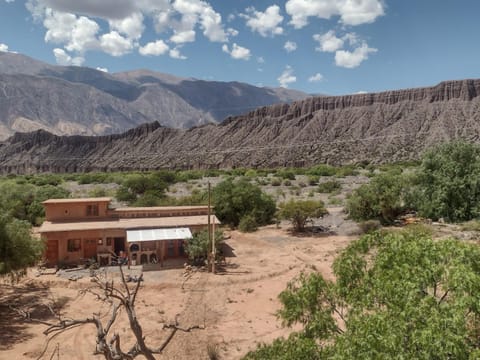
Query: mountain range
point(376, 128)
point(71, 100)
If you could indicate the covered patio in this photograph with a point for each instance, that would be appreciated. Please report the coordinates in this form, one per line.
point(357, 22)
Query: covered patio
point(152, 246)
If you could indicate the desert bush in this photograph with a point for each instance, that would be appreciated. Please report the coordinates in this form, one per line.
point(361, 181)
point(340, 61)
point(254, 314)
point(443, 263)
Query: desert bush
point(275, 182)
point(369, 226)
point(322, 170)
point(287, 183)
point(299, 212)
point(313, 180)
point(286, 174)
point(199, 246)
point(329, 186)
point(248, 224)
point(383, 198)
point(235, 199)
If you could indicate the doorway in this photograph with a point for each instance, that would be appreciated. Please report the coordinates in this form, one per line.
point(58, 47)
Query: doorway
point(118, 245)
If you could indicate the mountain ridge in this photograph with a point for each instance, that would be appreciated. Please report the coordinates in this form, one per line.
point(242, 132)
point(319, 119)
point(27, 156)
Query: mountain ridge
point(121, 100)
point(379, 127)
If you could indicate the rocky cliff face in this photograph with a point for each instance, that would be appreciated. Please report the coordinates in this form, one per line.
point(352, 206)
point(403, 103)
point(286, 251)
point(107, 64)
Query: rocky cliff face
point(380, 127)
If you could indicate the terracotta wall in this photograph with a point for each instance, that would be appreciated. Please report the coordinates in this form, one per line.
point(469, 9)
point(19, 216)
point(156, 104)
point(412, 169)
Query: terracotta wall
point(69, 211)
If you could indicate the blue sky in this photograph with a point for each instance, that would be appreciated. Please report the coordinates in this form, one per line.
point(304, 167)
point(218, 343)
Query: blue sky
point(318, 46)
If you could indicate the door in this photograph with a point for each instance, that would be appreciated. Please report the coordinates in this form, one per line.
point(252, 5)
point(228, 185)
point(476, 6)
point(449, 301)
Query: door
point(90, 248)
point(51, 253)
point(118, 245)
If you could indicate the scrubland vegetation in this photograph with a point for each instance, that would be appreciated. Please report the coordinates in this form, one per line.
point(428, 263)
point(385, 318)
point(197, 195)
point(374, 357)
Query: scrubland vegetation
point(397, 294)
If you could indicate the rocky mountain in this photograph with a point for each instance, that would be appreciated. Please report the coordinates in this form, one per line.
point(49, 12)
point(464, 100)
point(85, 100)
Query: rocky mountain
point(78, 100)
point(379, 127)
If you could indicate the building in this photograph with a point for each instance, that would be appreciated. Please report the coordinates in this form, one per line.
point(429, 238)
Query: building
point(78, 229)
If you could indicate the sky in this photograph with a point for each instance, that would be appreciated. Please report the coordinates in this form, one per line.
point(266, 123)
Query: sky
point(330, 47)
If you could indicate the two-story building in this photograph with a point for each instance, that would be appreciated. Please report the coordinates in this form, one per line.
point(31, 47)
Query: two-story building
point(78, 229)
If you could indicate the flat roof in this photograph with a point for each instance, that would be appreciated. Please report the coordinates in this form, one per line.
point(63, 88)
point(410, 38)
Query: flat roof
point(77, 200)
point(161, 234)
point(128, 223)
point(166, 208)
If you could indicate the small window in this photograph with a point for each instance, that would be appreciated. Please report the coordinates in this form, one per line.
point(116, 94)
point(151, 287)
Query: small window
point(92, 210)
point(74, 245)
point(109, 241)
point(100, 241)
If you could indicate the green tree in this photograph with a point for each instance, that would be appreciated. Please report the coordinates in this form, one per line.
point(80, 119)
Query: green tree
point(449, 182)
point(397, 295)
point(235, 199)
point(18, 249)
point(199, 246)
point(301, 211)
point(384, 198)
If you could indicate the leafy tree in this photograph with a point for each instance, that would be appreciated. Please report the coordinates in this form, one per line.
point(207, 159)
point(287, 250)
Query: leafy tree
point(301, 211)
point(248, 224)
point(397, 295)
point(235, 199)
point(383, 198)
point(200, 246)
point(449, 182)
point(18, 249)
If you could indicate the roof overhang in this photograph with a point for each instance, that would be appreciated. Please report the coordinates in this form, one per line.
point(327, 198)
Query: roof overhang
point(160, 234)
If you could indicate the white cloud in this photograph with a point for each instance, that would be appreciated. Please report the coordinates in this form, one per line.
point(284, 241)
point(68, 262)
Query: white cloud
point(132, 26)
point(115, 44)
point(63, 58)
point(287, 77)
point(183, 37)
point(102, 69)
point(154, 48)
point(265, 23)
point(361, 92)
point(9, 1)
point(349, 59)
point(290, 46)
point(3, 48)
point(351, 12)
point(70, 23)
point(316, 78)
point(175, 54)
point(232, 32)
point(261, 60)
point(329, 42)
point(237, 52)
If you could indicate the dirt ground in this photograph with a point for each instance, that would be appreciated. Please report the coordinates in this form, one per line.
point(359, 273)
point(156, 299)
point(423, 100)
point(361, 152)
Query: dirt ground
point(237, 306)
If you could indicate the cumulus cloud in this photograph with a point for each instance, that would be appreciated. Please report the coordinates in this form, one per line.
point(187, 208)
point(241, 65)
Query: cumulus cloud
point(316, 78)
point(265, 23)
point(290, 46)
point(237, 52)
point(328, 42)
point(175, 54)
point(132, 26)
point(3, 47)
point(102, 69)
point(352, 59)
point(63, 58)
point(287, 77)
point(115, 44)
point(75, 25)
point(154, 48)
point(351, 12)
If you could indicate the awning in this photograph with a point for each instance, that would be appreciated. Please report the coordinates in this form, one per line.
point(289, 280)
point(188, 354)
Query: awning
point(158, 234)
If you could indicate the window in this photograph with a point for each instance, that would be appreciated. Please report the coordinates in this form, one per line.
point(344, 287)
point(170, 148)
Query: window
point(74, 245)
point(92, 210)
point(100, 241)
point(109, 241)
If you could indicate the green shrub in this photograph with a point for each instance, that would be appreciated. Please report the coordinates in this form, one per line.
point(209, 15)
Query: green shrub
point(235, 199)
point(275, 182)
point(322, 170)
point(301, 211)
point(313, 180)
point(328, 187)
point(369, 226)
point(287, 183)
point(248, 224)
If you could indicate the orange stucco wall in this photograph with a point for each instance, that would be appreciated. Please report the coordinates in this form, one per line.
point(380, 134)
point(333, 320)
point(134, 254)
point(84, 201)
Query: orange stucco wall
point(72, 211)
